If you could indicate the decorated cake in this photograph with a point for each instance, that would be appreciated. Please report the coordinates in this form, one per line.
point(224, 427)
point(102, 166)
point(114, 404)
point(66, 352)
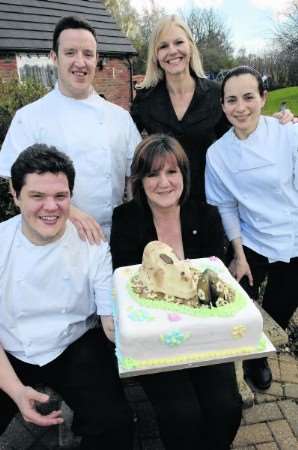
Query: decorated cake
point(170, 312)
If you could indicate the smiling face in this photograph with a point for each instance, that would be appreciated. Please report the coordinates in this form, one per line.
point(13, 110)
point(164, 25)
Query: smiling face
point(173, 51)
point(243, 103)
point(44, 201)
point(163, 186)
point(76, 62)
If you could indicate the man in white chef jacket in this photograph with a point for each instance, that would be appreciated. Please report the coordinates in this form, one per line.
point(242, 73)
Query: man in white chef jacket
point(53, 286)
point(99, 137)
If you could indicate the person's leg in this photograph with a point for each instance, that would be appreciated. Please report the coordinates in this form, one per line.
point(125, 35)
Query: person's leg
point(217, 391)
point(256, 370)
point(178, 412)
point(280, 297)
point(86, 377)
point(8, 410)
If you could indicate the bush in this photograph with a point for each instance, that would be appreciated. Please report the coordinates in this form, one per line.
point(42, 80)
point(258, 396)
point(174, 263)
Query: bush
point(13, 95)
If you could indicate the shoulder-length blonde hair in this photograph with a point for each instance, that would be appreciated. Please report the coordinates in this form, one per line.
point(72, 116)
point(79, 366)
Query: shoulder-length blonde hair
point(153, 71)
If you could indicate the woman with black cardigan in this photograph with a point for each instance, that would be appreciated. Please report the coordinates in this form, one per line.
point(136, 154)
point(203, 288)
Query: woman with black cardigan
point(198, 408)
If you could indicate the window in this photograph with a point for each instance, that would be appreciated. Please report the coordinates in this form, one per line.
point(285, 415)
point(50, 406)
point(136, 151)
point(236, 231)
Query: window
point(38, 67)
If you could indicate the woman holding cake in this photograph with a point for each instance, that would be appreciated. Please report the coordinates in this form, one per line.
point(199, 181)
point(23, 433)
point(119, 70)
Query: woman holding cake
point(198, 408)
point(252, 177)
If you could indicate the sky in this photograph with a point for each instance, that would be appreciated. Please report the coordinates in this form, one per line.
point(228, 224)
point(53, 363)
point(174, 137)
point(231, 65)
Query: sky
point(250, 21)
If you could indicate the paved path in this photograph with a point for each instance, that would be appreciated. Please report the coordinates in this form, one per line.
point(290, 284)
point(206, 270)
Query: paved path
point(271, 424)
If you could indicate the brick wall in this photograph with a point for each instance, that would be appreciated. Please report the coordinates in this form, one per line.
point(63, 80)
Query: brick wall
point(113, 81)
point(112, 78)
point(8, 66)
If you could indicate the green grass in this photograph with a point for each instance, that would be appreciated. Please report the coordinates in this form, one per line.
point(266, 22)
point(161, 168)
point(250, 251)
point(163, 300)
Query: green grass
point(288, 95)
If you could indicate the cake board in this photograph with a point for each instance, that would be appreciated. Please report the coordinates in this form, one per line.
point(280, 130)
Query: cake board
point(268, 350)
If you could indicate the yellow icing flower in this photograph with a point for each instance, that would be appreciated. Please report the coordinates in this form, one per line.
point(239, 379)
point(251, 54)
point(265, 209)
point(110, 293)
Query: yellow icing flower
point(238, 331)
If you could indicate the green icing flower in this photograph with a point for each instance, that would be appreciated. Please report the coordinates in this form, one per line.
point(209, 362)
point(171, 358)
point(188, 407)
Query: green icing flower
point(174, 338)
point(140, 315)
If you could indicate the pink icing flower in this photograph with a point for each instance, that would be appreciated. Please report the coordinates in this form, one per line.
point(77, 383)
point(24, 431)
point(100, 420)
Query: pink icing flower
point(213, 258)
point(173, 317)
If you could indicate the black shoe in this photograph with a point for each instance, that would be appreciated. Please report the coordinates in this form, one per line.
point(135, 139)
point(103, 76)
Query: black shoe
point(258, 372)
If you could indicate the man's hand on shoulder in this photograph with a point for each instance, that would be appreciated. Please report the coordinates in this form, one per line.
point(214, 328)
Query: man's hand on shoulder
point(285, 116)
point(26, 399)
point(108, 327)
point(86, 226)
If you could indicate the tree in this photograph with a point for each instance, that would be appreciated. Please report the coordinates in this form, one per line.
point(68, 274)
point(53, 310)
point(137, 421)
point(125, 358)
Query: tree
point(286, 34)
point(136, 26)
point(125, 15)
point(212, 38)
point(287, 31)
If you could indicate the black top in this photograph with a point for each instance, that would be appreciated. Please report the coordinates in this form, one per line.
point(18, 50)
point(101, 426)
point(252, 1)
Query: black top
point(133, 229)
point(202, 123)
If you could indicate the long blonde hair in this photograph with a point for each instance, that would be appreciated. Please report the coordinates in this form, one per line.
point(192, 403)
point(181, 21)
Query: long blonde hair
point(153, 72)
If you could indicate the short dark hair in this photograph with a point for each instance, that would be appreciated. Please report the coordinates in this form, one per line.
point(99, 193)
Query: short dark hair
point(39, 158)
point(152, 147)
point(242, 70)
point(70, 22)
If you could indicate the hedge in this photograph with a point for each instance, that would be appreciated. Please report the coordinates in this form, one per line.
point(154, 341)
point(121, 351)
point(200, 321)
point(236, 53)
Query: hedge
point(13, 95)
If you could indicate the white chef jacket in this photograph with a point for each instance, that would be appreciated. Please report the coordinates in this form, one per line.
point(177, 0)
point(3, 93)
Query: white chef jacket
point(254, 183)
point(50, 294)
point(97, 135)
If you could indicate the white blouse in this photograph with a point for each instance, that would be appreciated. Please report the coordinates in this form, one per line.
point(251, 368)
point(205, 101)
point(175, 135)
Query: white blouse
point(254, 183)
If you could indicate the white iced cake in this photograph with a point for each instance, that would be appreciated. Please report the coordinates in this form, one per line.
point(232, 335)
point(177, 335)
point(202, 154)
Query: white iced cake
point(170, 312)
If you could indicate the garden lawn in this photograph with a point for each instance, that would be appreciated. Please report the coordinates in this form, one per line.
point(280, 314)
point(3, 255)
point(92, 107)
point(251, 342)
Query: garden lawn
point(275, 98)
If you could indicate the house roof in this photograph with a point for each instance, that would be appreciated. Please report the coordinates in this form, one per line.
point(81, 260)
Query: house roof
point(27, 25)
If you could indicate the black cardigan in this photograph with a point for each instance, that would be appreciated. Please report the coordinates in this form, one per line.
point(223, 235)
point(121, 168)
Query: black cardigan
point(202, 124)
point(133, 229)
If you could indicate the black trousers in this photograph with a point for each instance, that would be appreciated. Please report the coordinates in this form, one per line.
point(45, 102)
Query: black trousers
point(86, 377)
point(280, 298)
point(196, 409)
